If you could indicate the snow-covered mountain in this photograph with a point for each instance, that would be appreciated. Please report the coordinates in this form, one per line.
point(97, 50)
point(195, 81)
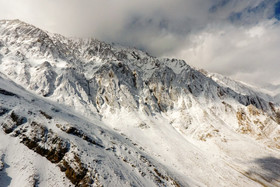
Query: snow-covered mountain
point(86, 113)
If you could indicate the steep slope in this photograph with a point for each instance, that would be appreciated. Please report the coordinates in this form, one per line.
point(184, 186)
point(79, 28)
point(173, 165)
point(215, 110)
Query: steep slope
point(87, 152)
point(202, 129)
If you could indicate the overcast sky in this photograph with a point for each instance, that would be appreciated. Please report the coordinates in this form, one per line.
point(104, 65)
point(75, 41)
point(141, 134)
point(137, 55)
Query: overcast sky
point(237, 38)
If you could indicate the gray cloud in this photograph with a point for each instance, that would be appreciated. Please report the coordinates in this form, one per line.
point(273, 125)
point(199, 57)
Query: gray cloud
point(250, 54)
point(233, 37)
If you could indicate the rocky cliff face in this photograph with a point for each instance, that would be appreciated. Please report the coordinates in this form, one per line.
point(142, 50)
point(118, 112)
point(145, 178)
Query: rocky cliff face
point(129, 91)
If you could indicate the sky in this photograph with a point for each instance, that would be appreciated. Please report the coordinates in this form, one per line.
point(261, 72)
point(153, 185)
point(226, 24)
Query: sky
point(236, 38)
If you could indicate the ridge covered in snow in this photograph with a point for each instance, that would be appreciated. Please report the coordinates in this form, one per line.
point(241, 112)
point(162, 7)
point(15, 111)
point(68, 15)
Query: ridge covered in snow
point(103, 114)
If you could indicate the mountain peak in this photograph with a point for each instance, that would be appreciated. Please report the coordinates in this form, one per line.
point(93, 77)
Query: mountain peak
point(16, 24)
point(12, 21)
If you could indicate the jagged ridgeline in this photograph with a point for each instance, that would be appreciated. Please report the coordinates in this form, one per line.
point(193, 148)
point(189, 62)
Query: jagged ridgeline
point(104, 114)
point(101, 74)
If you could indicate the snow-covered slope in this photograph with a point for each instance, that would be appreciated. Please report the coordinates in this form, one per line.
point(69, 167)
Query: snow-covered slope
point(269, 93)
point(67, 146)
point(103, 114)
